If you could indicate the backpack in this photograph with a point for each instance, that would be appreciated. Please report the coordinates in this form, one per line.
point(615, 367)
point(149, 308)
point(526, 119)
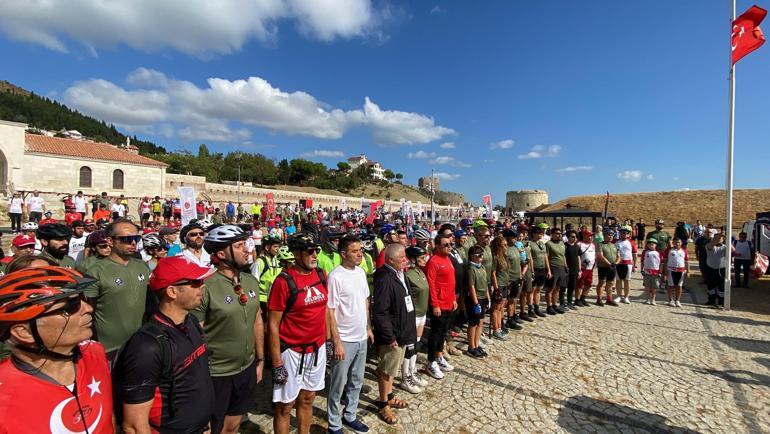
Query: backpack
point(161, 336)
point(294, 291)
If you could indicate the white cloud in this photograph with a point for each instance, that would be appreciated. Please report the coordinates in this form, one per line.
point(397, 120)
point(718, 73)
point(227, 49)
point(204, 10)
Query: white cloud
point(436, 10)
point(447, 145)
point(250, 102)
point(446, 160)
point(322, 153)
point(650, 177)
point(676, 178)
point(401, 128)
point(446, 176)
point(683, 189)
point(420, 155)
point(630, 175)
point(196, 27)
point(569, 169)
point(502, 144)
point(540, 151)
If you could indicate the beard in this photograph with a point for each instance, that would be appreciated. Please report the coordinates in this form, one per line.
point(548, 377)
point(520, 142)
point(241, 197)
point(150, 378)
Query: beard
point(59, 252)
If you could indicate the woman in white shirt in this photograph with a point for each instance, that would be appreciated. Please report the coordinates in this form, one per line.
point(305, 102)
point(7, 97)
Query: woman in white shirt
point(15, 209)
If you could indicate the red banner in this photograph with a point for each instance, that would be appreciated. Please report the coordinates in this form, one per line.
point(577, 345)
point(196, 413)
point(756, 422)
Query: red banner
point(270, 203)
point(746, 34)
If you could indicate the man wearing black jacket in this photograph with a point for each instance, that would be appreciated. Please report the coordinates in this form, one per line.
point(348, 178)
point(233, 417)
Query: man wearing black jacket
point(395, 329)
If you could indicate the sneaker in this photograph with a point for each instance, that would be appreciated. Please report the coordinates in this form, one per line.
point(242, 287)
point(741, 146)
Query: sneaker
point(559, 309)
point(517, 319)
point(652, 302)
point(482, 352)
point(527, 317)
point(627, 300)
point(671, 303)
point(504, 330)
point(549, 310)
point(485, 340)
point(571, 306)
point(475, 353)
point(410, 386)
point(647, 301)
point(584, 303)
point(612, 302)
point(434, 371)
point(356, 425)
point(538, 313)
point(678, 304)
point(599, 302)
point(418, 380)
point(516, 326)
point(618, 299)
point(444, 365)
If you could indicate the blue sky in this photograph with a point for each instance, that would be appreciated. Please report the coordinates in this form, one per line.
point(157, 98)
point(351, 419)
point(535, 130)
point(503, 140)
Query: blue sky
point(571, 97)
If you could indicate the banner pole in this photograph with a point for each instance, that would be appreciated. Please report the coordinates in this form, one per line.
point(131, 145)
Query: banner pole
point(729, 181)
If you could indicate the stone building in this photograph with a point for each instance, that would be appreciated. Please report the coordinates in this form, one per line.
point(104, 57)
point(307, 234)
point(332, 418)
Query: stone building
point(424, 183)
point(524, 200)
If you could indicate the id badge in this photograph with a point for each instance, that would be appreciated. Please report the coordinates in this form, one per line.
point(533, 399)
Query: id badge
point(409, 305)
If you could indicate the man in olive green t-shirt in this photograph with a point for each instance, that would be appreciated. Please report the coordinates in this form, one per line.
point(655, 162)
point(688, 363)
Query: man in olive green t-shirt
point(120, 296)
point(558, 267)
point(606, 260)
point(229, 314)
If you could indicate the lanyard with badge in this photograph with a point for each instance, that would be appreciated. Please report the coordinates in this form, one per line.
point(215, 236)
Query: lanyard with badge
point(407, 297)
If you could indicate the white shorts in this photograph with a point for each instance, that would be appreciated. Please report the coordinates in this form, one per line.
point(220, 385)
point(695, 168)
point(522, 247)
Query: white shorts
point(311, 379)
point(420, 320)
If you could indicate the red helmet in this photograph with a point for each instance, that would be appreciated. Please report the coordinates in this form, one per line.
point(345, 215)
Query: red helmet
point(28, 293)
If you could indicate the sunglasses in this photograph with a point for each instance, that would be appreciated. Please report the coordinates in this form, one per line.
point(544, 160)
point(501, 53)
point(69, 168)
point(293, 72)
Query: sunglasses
point(195, 234)
point(477, 255)
point(194, 283)
point(445, 245)
point(129, 239)
point(311, 250)
point(102, 246)
point(71, 306)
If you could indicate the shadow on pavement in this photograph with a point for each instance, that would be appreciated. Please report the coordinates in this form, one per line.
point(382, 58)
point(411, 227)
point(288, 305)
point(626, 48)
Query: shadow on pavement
point(738, 376)
point(608, 416)
point(763, 362)
point(726, 318)
point(743, 344)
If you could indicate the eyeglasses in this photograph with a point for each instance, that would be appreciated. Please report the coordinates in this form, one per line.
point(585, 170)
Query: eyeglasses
point(311, 250)
point(129, 239)
point(477, 255)
point(195, 234)
point(242, 299)
point(71, 306)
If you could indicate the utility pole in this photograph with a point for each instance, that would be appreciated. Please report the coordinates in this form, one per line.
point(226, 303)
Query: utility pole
point(432, 195)
point(238, 159)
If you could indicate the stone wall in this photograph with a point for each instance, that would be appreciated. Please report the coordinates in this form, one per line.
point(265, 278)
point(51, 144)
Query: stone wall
point(524, 200)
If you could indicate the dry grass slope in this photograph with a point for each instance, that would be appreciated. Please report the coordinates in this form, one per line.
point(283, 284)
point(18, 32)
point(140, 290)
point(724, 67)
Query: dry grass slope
point(672, 206)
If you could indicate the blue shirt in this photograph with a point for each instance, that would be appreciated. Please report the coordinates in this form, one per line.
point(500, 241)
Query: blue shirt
point(522, 251)
point(230, 209)
point(290, 230)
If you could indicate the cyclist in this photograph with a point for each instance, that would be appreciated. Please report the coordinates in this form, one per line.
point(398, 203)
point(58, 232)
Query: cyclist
point(54, 239)
point(155, 247)
point(266, 268)
point(229, 314)
point(57, 380)
point(162, 373)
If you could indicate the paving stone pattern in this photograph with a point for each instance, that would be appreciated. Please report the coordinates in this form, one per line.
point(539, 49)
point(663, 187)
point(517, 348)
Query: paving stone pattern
point(627, 369)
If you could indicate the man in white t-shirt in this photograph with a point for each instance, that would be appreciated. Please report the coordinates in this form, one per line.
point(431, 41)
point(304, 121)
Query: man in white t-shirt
point(81, 204)
point(35, 206)
point(118, 210)
point(77, 241)
point(348, 305)
point(257, 235)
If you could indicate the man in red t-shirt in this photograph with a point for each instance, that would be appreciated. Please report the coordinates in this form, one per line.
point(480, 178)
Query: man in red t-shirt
point(297, 321)
point(57, 380)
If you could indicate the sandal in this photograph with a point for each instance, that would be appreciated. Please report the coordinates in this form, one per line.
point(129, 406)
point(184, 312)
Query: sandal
point(397, 403)
point(387, 415)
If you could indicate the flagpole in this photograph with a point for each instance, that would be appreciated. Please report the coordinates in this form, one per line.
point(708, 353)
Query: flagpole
point(729, 181)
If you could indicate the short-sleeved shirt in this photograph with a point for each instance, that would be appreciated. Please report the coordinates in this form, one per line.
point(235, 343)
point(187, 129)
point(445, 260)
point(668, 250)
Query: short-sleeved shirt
point(488, 262)
point(418, 289)
point(610, 253)
point(348, 296)
point(537, 251)
point(65, 262)
point(662, 237)
point(121, 299)
point(228, 324)
point(304, 325)
point(477, 277)
point(514, 271)
point(555, 253)
point(142, 375)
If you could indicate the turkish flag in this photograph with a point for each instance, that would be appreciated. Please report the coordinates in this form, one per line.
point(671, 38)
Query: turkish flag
point(270, 203)
point(746, 34)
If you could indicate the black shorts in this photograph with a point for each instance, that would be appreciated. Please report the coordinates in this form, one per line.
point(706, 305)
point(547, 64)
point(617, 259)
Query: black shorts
point(146, 216)
point(622, 270)
point(167, 214)
point(540, 276)
point(474, 319)
point(499, 294)
point(234, 395)
point(607, 274)
point(514, 289)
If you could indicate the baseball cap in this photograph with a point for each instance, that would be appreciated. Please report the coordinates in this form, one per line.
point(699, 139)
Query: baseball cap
point(652, 240)
point(168, 230)
point(587, 233)
point(659, 222)
point(175, 269)
point(23, 240)
point(48, 213)
point(459, 233)
point(608, 230)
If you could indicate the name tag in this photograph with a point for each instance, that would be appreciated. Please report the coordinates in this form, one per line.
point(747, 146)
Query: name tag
point(409, 305)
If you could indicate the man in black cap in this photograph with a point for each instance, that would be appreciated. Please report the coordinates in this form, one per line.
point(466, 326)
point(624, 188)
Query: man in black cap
point(55, 240)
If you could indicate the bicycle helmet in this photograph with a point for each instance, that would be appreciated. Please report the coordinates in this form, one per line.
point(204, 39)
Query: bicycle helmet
point(53, 231)
point(386, 229)
point(284, 254)
point(509, 233)
point(194, 224)
point(153, 241)
point(205, 225)
point(28, 293)
point(414, 252)
point(479, 224)
point(96, 238)
point(543, 225)
point(626, 229)
point(29, 226)
point(465, 223)
point(301, 241)
point(271, 239)
point(222, 236)
point(421, 235)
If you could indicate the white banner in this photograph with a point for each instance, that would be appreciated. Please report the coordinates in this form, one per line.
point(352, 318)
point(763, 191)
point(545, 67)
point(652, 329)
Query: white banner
point(187, 203)
point(344, 204)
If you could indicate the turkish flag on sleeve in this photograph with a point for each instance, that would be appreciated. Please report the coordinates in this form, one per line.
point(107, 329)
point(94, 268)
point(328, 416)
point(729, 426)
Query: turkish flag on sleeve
point(746, 34)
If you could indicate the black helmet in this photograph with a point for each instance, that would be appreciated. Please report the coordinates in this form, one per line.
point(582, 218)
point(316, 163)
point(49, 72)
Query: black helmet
point(301, 241)
point(194, 224)
point(414, 252)
point(222, 236)
point(53, 231)
point(509, 233)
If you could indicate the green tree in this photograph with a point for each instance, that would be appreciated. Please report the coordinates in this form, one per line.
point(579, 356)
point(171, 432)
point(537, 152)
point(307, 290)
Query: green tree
point(284, 172)
point(389, 175)
point(343, 166)
point(399, 177)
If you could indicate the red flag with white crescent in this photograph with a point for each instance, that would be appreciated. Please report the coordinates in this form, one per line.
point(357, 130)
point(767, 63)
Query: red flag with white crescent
point(746, 34)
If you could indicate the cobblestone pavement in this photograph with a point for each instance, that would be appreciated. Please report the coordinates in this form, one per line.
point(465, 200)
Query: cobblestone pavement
point(633, 368)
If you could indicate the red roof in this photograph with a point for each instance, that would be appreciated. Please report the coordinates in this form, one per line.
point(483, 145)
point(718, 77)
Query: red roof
point(84, 149)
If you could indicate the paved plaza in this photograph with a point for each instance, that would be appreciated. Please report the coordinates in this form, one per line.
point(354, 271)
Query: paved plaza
point(633, 368)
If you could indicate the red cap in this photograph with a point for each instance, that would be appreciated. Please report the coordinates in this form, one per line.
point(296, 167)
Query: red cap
point(172, 225)
point(175, 269)
point(587, 233)
point(23, 240)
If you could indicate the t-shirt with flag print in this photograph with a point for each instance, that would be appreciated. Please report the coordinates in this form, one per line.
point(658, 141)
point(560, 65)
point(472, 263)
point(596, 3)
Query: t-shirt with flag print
point(303, 327)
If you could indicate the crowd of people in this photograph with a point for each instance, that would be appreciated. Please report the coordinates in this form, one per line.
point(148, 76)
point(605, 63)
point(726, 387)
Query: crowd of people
point(169, 328)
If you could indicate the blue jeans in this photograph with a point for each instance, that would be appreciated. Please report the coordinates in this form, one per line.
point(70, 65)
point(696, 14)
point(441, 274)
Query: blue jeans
point(346, 381)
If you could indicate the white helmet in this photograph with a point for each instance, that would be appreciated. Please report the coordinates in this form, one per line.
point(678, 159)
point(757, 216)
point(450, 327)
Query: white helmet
point(29, 226)
point(222, 236)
